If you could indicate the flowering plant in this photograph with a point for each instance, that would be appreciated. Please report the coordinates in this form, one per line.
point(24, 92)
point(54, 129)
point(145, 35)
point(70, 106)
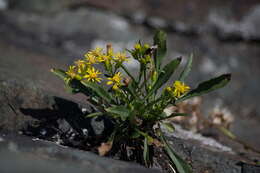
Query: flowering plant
point(135, 104)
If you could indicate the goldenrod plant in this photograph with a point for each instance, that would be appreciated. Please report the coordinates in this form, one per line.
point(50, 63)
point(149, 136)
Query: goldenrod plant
point(136, 104)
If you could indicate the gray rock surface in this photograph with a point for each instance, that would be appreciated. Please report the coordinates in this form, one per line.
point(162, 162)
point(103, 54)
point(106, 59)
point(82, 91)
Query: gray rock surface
point(39, 6)
point(223, 35)
point(68, 34)
point(26, 108)
point(230, 29)
point(22, 154)
point(3, 4)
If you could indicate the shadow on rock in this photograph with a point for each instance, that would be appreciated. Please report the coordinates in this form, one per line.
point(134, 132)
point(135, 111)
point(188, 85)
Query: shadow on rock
point(67, 120)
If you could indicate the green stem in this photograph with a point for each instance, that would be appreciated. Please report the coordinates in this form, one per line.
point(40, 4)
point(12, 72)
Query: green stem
point(97, 105)
point(140, 74)
point(145, 81)
point(232, 136)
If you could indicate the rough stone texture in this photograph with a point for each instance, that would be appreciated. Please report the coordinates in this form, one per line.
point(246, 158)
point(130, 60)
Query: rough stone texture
point(28, 108)
point(39, 6)
point(205, 161)
point(68, 34)
point(30, 155)
point(3, 4)
point(229, 29)
point(222, 35)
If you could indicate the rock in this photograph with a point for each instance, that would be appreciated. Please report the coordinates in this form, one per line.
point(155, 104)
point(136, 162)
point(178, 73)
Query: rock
point(229, 29)
point(208, 155)
point(71, 31)
point(23, 154)
point(67, 34)
point(250, 24)
point(13, 96)
point(246, 168)
point(37, 114)
point(45, 6)
point(4, 4)
point(156, 22)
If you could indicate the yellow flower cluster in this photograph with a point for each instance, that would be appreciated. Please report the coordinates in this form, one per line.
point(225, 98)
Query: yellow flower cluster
point(84, 68)
point(115, 81)
point(178, 89)
point(141, 53)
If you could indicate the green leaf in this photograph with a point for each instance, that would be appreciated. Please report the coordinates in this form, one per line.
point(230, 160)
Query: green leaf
point(130, 90)
point(60, 73)
point(69, 86)
point(135, 135)
point(70, 89)
point(164, 116)
point(146, 152)
point(207, 86)
point(227, 132)
point(180, 164)
point(160, 41)
point(94, 114)
point(101, 92)
point(186, 69)
point(121, 111)
point(168, 126)
point(165, 75)
point(149, 138)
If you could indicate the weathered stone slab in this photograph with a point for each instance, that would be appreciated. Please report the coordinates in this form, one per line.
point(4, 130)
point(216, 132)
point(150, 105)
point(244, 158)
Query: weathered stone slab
point(22, 154)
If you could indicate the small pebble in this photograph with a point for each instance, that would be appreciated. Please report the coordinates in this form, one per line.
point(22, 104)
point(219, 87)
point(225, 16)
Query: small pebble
point(84, 110)
point(43, 132)
point(85, 131)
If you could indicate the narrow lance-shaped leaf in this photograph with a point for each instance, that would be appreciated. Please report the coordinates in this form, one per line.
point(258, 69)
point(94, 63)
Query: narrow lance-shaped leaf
point(186, 69)
point(101, 92)
point(146, 152)
point(164, 116)
point(91, 115)
point(165, 75)
point(168, 126)
point(120, 111)
point(180, 164)
point(60, 73)
point(208, 86)
point(160, 41)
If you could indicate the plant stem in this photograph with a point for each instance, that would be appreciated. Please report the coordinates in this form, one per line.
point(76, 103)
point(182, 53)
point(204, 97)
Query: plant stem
point(233, 137)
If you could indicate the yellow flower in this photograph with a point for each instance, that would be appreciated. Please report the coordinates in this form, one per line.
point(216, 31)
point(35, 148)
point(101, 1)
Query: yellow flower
point(105, 58)
point(91, 59)
point(137, 46)
point(146, 46)
point(115, 80)
point(71, 71)
point(81, 66)
point(121, 57)
point(180, 88)
point(115, 87)
point(93, 56)
point(146, 59)
point(92, 75)
point(96, 52)
point(169, 89)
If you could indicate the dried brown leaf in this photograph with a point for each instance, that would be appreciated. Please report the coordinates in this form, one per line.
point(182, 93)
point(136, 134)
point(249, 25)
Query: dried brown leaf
point(104, 148)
